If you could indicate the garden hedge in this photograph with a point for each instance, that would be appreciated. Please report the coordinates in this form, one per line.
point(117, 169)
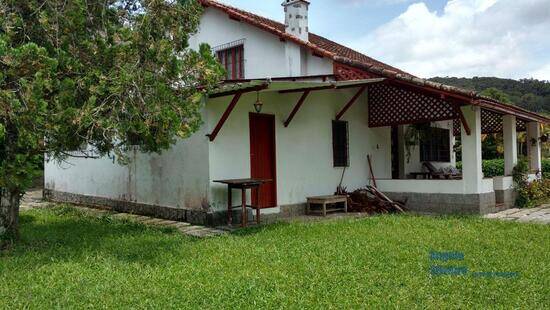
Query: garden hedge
point(495, 167)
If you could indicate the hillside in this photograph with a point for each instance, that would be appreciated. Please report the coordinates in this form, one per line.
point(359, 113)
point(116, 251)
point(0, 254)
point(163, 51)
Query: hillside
point(530, 94)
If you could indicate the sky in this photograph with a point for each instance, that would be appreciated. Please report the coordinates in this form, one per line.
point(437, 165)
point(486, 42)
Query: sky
point(464, 38)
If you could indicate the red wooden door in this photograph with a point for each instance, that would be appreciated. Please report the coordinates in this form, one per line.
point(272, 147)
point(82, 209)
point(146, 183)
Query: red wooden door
point(262, 157)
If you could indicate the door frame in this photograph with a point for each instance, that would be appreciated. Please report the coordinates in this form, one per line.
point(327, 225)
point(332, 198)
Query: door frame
point(272, 118)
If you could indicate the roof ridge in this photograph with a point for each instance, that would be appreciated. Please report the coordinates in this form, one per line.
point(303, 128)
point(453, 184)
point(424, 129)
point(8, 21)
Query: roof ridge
point(315, 45)
point(239, 9)
point(341, 54)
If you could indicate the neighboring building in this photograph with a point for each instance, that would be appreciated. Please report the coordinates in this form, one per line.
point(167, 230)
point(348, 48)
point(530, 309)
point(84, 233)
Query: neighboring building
point(325, 108)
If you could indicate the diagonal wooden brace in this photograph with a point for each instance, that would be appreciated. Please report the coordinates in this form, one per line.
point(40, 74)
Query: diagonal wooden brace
point(463, 119)
point(297, 107)
point(351, 102)
point(224, 117)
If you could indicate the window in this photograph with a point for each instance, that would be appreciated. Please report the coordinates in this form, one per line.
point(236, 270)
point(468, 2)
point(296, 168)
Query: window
point(233, 61)
point(340, 149)
point(436, 146)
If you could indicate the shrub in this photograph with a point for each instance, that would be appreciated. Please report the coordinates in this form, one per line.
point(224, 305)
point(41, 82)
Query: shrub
point(491, 168)
point(546, 168)
point(534, 193)
point(495, 167)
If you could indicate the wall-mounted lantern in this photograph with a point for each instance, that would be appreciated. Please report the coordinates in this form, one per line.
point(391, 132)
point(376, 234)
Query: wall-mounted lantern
point(258, 105)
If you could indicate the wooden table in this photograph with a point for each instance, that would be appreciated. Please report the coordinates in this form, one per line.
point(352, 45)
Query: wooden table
point(327, 200)
point(243, 185)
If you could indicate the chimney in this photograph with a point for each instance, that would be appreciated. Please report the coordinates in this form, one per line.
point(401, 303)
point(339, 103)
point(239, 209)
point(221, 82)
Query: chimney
point(296, 18)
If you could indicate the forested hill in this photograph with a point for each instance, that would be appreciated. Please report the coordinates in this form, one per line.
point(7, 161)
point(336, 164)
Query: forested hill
point(530, 94)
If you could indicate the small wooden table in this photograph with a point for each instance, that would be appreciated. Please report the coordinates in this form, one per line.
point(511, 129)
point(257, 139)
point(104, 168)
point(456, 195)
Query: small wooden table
point(243, 185)
point(327, 200)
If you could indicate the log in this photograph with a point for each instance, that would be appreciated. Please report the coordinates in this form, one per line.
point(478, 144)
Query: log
point(371, 200)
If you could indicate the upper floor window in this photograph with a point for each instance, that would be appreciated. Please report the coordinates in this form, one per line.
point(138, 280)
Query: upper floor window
point(233, 61)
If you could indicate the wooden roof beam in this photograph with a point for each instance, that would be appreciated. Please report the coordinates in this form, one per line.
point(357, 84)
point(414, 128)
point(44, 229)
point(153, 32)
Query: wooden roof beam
point(240, 91)
point(224, 117)
point(308, 89)
point(463, 119)
point(297, 107)
point(351, 102)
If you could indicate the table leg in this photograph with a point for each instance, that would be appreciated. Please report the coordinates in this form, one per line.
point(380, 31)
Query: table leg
point(229, 207)
point(244, 220)
point(324, 209)
point(257, 204)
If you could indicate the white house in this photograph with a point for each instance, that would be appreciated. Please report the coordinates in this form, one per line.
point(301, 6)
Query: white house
point(324, 108)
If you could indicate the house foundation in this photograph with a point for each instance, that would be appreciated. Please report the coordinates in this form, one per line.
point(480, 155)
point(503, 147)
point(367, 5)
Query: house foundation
point(193, 216)
point(448, 203)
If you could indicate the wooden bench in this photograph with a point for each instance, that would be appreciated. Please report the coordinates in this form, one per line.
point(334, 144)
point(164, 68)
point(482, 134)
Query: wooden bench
point(328, 204)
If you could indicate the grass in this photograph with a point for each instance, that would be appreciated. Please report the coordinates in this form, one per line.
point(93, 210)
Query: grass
point(69, 260)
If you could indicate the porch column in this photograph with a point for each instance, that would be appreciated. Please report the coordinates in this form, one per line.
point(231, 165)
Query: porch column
point(472, 172)
point(510, 143)
point(533, 149)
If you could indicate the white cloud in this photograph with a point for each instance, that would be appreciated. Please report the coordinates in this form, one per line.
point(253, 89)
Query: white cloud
point(506, 38)
point(542, 73)
point(362, 2)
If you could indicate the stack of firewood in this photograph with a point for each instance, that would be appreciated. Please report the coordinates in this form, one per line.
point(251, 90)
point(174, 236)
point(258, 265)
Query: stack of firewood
point(371, 200)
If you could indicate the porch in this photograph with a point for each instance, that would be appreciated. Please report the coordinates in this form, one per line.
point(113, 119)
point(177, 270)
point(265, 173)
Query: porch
point(455, 125)
point(302, 110)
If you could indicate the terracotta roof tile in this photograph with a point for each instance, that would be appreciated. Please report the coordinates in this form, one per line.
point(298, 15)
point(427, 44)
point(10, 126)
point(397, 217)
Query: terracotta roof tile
point(317, 43)
point(345, 55)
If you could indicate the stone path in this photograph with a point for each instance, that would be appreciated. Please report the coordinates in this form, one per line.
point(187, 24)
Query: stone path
point(540, 215)
point(33, 200)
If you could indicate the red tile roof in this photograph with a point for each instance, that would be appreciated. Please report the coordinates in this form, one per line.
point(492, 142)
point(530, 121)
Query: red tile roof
point(317, 44)
point(348, 56)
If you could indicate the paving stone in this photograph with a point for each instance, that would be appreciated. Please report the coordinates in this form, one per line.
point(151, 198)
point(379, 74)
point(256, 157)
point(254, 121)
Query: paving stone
point(166, 223)
point(179, 224)
point(542, 220)
point(152, 221)
point(142, 219)
point(122, 216)
point(494, 216)
point(527, 219)
point(186, 229)
point(539, 215)
point(218, 231)
point(200, 233)
point(509, 211)
point(520, 213)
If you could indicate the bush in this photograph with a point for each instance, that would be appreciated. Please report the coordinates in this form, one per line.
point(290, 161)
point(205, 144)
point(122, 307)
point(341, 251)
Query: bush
point(495, 167)
point(546, 168)
point(534, 194)
point(491, 168)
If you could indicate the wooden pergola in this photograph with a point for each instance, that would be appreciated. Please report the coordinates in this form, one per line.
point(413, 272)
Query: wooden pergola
point(403, 99)
point(237, 88)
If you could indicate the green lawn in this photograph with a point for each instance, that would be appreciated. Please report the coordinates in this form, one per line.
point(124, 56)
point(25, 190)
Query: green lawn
point(68, 260)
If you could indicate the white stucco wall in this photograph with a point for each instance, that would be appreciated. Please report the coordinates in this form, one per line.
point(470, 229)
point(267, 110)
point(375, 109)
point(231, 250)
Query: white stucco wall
point(177, 178)
point(265, 55)
point(303, 150)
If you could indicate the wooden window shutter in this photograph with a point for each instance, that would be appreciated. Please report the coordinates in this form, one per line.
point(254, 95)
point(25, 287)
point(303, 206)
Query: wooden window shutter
point(340, 144)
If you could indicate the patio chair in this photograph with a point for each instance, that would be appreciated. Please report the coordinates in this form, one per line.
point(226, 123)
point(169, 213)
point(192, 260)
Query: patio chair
point(435, 173)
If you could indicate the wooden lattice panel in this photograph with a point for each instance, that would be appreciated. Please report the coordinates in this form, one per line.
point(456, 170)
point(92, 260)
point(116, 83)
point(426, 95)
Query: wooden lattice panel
point(390, 106)
point(491, 122)
point(347, 73)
